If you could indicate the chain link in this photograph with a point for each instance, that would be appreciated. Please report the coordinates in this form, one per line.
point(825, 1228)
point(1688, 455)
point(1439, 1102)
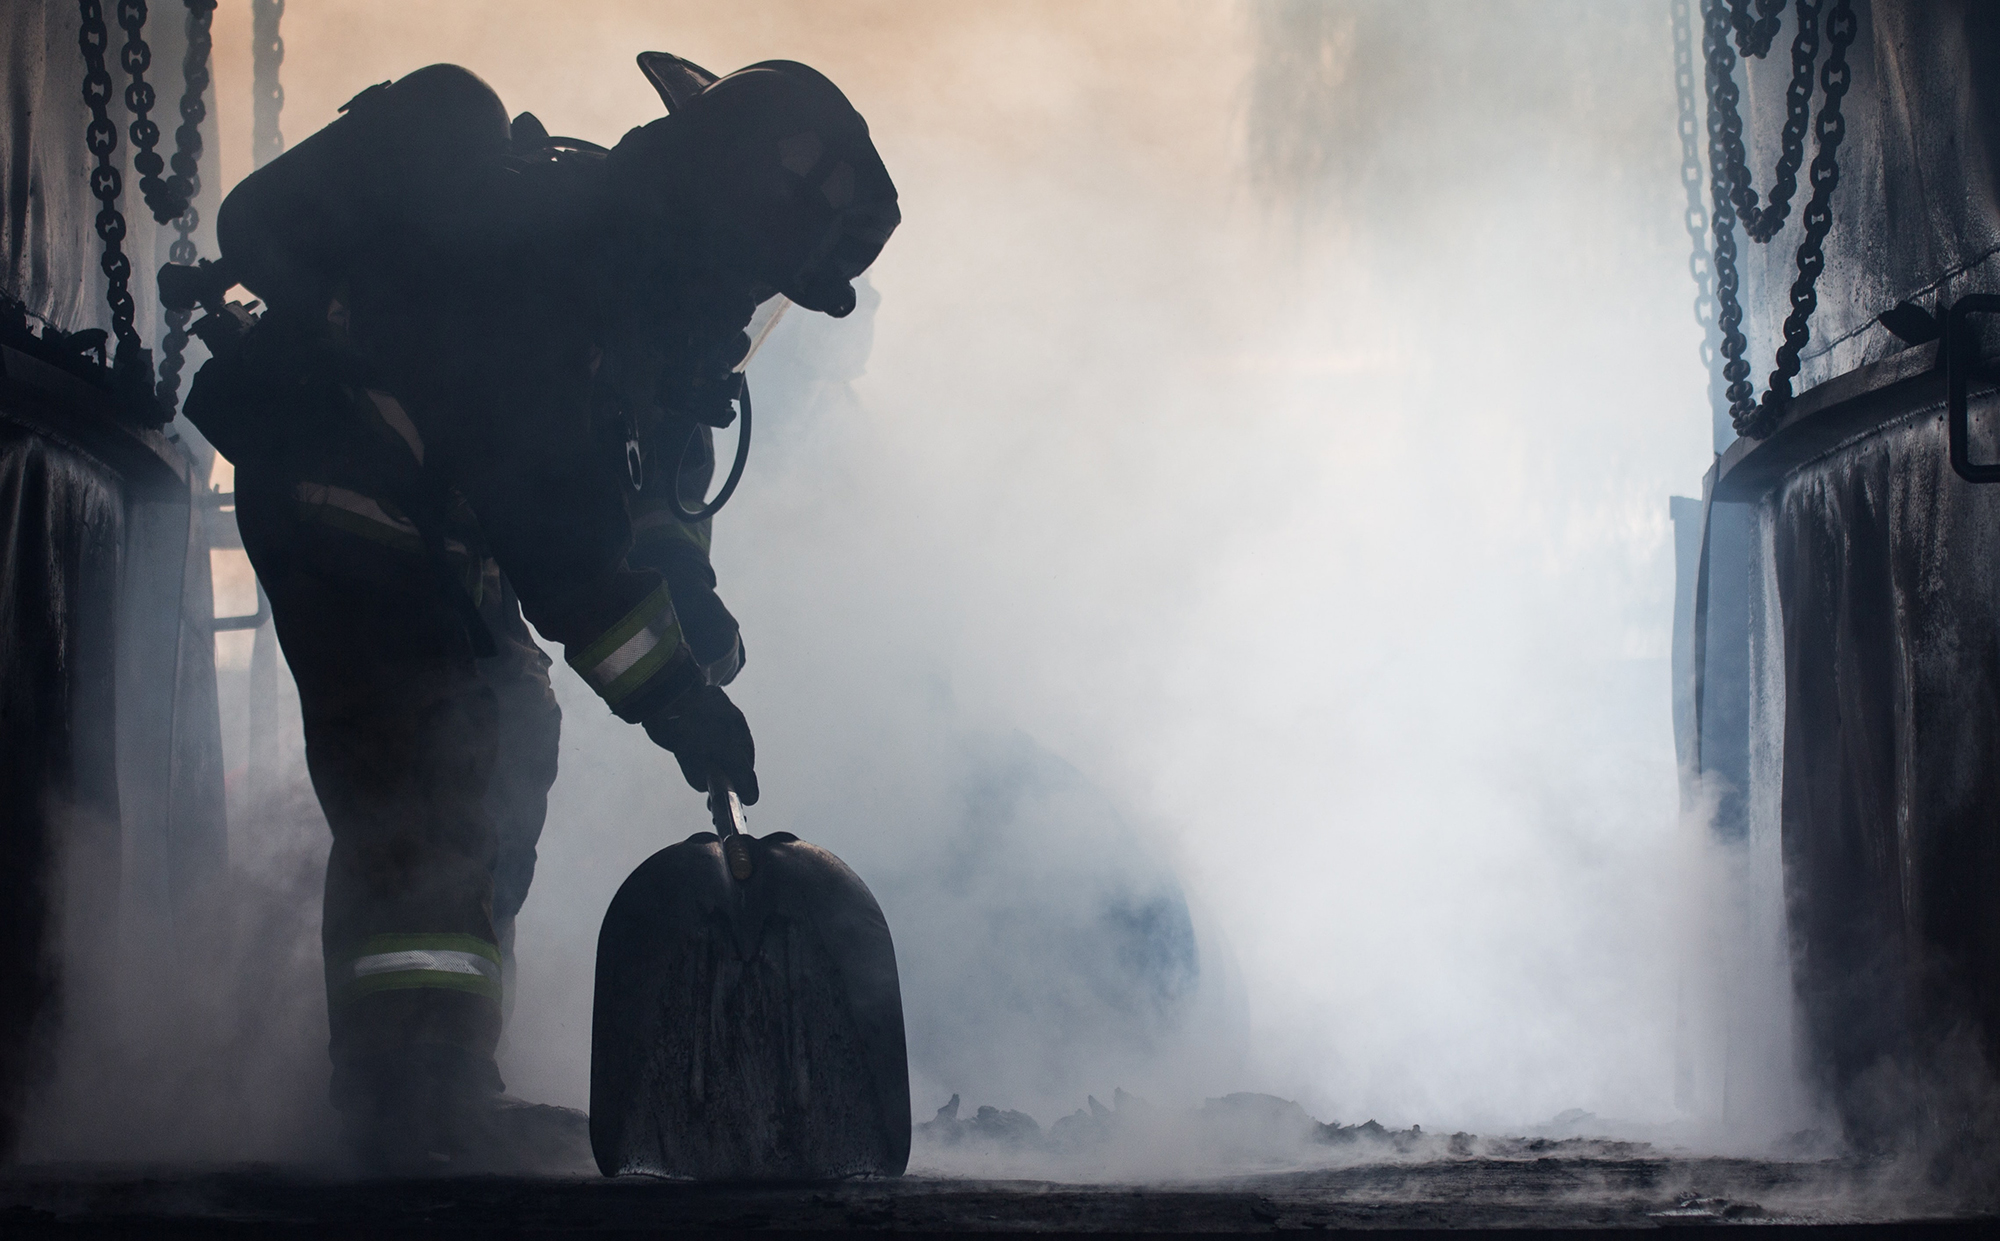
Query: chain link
point(1754, 34)
point(1696, 217)
point(1817, 218)
point(1721, 65)
point(1763, 223)
point(106, 181)
point(194, 110)
point(132, 363)
point(186, 184)
point(1730, 189)
point(136, 58)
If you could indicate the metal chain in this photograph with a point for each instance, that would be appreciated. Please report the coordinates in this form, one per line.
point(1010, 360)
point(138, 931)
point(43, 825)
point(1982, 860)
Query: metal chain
point(136, 58)
point(1696, 217)
point(106, 182)
point(1729, 187)
point(194, 110)
point(131, 363)
point(1754, 34)
point(1763, 224)
point(1721, 65)
point(186, 184)
point(267, 52)
point(1829, 128)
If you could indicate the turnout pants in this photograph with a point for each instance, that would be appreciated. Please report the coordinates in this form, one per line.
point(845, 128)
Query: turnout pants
point(433, 768)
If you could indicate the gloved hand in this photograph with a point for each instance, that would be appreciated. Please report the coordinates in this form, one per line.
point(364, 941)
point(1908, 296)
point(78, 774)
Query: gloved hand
point(705, 730)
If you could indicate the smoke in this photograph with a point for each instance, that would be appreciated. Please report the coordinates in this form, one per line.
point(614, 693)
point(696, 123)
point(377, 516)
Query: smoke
point(1219, 600)
point(1306, 543)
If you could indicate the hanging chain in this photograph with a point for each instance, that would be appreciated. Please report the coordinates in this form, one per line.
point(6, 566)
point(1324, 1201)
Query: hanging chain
point(267, 52)
point(1754, 34)
point(106, 182)
point(186, 181)
point(1830, 128)
point(1696, 217)
point(1730, 189)
point(1721, 67)
point(186, 185)
point(136, 58)
point(1763, 223)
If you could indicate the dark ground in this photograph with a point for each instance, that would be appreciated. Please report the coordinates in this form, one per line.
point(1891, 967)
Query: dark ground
point(1578, 1196)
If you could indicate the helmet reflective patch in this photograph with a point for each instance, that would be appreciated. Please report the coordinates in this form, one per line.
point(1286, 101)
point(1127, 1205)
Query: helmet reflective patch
point(800, 152)
point(839, 185)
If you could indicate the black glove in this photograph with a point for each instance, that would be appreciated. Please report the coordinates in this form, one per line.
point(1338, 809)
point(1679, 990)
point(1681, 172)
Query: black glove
point(705, 730)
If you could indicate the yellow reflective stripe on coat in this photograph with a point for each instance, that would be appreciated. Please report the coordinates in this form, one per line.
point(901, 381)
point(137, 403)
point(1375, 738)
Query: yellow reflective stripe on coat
point(663, 524)
point(632, 650)
point(402, 962)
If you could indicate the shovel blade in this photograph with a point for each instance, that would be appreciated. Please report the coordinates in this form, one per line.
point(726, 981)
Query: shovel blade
point(748, 1029)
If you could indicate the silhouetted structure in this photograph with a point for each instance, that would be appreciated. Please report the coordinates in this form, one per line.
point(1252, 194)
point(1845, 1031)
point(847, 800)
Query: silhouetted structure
point(112, 816)
point(1841, 660)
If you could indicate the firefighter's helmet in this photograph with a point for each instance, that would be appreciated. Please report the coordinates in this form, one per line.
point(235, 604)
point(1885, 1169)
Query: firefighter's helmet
point(773, 171)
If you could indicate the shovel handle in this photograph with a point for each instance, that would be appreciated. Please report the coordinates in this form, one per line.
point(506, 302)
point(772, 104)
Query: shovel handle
point(724, 808)
point(727, 813)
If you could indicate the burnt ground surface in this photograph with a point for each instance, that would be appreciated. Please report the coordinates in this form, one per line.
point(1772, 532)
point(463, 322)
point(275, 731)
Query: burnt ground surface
point(1578, 1196)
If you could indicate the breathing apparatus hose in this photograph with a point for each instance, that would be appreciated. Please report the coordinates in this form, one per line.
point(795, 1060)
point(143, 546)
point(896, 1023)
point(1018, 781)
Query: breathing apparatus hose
point(703, 513)
point(761, 333)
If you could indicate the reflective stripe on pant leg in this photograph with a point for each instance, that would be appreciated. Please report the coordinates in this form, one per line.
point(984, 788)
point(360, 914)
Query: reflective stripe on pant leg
point(360, 514)
point(390, 410)
point(400, 962)
point(380, 521)
point(631, 651)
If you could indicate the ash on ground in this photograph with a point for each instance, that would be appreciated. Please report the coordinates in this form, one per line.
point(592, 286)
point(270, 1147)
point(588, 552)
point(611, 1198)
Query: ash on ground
point(1237, 1133)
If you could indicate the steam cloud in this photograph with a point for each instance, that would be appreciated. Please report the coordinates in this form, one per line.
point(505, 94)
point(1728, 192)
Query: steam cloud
point(1223, 611)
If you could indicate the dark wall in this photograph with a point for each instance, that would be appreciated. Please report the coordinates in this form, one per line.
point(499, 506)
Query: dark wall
point(46, 208)
point(1888, 568)
point(1887, 572)
point(110, 767)
point(61, 518)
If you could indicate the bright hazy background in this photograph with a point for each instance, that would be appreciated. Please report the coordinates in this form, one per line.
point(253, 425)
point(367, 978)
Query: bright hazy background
point(1256, 491)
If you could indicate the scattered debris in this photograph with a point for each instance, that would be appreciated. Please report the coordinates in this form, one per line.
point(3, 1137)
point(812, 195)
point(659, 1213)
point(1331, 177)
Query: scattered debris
point(1008, 1130)
point(1693, 1208)
point(1243, 1132)
point(1403, 1141)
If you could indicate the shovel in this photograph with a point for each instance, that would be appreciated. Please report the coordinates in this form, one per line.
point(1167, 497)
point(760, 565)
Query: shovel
point(748, 1023)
